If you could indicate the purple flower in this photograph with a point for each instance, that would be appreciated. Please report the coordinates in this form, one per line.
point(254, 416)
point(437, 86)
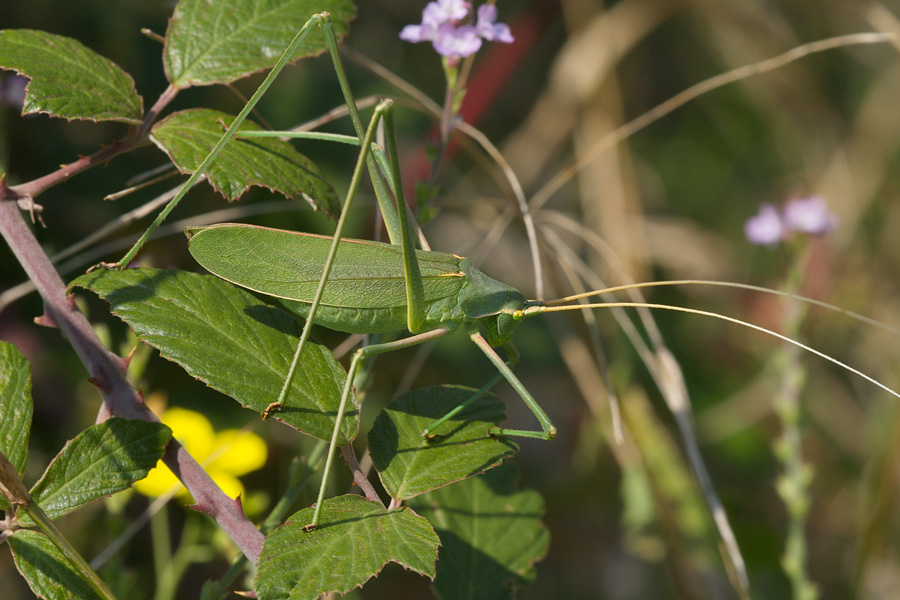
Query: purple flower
point(445, 11)
point(766, 227)
point(441, 26)
point(809, 215)
point(487, 14)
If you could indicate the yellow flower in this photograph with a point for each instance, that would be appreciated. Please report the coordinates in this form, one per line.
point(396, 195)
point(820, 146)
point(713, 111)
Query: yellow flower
point(225, 455)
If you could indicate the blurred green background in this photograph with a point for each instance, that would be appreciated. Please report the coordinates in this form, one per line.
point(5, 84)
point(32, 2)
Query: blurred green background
point(670, 202)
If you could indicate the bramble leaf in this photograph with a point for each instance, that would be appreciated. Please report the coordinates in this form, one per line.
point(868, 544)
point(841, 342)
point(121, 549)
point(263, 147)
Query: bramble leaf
point(491, 535)
point(220, 42)
point(68, 79)
point(15, 408)
point(409, 465)
point(101, 460)
point(227, 338)
point(354, 540)
point(46, 569)
point(189, 136)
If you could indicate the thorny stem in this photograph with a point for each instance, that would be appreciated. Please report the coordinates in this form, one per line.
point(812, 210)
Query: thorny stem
point(108, 374)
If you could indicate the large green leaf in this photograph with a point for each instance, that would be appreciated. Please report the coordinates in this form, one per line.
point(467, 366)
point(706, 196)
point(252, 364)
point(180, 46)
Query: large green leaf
point(491, 535)
point(101, 460)
point(48, 573)
point(354, 540)
point(188, 137)
point(15, 408)
point(68, 79)
point(409, 465)
point(218, 42)
point(226, 337)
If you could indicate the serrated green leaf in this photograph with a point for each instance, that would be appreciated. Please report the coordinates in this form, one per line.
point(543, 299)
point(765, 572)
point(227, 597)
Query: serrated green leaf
point(101, 460)
point(219, 42)
point(354, 540)
point(409, 465)
point(188, 137)
point(68, 79)
point(229, 339)
point(15, 408)
point(48, 573)
point(491, 535)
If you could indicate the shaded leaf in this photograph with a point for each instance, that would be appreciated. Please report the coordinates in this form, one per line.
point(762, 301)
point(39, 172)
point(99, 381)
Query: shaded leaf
point(189, 136)
point(48, 573)
point(229, 339)
point(15, 408)
point(101, 460)
point(491, 535)
point(409, 465)
point(219, 42)
point(68, 79)
point(354, 540)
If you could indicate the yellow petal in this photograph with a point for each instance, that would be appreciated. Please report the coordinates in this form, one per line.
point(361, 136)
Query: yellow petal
point(157, 482)
point(230, 484)
point(192, 429)
point(238, 452)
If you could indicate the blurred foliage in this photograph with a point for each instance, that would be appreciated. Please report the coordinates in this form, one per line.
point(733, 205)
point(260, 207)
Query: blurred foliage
point(670, 202)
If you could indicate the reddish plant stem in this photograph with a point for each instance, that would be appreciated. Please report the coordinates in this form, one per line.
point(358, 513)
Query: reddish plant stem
point(106, 371)
point(359, 478)
point(136, 139)
point(33, 188)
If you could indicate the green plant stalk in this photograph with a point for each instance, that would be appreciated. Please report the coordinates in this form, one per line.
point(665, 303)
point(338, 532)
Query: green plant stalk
point(794, 483)
point(13, 488)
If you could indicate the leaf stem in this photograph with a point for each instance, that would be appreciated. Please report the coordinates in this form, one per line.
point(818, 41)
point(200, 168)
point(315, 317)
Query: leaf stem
point(18, 496)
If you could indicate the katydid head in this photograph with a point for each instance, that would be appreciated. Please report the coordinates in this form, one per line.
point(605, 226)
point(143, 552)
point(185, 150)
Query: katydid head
point(490, 303)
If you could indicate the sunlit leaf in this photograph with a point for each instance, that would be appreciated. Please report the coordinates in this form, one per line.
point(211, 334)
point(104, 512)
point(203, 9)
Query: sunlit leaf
point(101, 460)
point(188, 137)
point(226, 337)
point(15, 408)
point(222, 41)
point(68, 79)
point(409, 465)
point(354, 540)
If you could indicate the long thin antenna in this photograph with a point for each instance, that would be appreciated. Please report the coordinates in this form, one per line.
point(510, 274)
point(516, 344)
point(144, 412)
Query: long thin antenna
point(537, 309)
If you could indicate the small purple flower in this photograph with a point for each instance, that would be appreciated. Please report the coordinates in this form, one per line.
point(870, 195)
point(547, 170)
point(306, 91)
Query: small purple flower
point(456, 42)
point(809, 215)
point(441, 26)
point(766, 227)
point(487, 14)
point(445, 11)
point(419, 33)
